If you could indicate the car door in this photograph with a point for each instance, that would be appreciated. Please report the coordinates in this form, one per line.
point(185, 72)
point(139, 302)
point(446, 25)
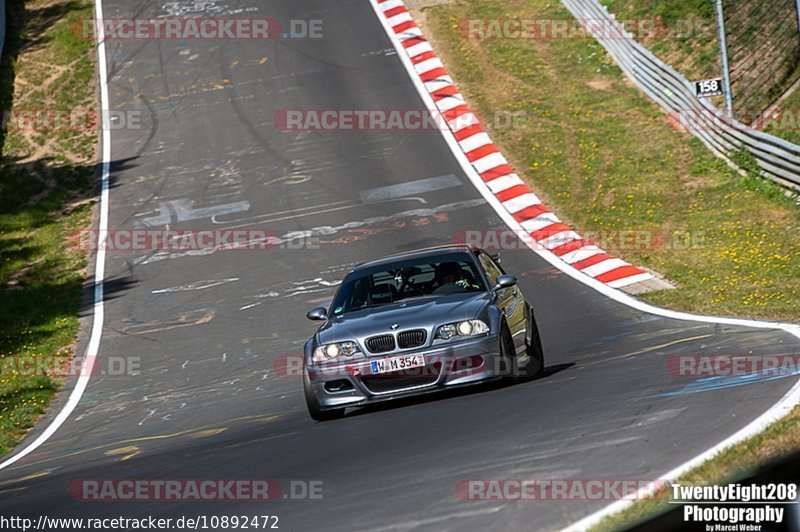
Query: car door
point(509, 300)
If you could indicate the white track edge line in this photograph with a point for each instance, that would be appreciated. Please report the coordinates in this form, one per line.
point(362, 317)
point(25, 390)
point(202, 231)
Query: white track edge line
point(775, 412)
point(100, 261)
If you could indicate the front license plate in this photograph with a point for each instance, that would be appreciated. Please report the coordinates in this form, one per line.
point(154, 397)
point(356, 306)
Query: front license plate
point(400, 363)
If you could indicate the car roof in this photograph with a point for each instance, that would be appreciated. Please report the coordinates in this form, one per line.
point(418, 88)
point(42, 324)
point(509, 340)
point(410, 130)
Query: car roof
point(417, 253)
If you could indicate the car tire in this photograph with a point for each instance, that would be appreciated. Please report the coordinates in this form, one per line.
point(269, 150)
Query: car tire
point(535, 365)
point(316, 413)
point(508, 357)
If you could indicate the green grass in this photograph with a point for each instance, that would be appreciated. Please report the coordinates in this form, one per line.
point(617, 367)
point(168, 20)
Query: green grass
point(687, 38)
point(670, 10)
point(43, 177)
point(786, 123)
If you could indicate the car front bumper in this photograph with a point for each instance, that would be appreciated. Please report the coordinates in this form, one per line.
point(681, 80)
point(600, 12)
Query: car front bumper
point(352, 383)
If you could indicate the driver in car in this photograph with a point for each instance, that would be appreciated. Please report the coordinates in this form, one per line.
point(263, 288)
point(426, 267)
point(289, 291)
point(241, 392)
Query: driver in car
point(451, 279)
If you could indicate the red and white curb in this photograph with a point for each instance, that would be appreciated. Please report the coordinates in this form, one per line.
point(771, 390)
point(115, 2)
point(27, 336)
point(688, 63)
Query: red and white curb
point(541, 224)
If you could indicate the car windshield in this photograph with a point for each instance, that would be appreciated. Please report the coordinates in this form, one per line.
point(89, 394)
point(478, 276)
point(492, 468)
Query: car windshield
point(405, 280)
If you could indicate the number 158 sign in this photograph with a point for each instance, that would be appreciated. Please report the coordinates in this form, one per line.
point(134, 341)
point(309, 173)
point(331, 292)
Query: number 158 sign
point(708, 87)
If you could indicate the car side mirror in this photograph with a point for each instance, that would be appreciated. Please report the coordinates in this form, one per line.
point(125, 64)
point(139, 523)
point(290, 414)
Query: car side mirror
point(505, 281)
point(317, 314)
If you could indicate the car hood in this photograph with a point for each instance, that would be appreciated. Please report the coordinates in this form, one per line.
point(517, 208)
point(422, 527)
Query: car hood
point(424, 313)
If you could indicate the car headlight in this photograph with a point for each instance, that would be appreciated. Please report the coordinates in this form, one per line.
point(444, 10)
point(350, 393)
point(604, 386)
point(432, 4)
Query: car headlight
point(332, 351)
point(464, 328)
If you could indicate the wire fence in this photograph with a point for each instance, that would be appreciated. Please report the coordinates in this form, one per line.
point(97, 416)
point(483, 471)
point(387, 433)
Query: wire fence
point(739, 144)
point(763, 49)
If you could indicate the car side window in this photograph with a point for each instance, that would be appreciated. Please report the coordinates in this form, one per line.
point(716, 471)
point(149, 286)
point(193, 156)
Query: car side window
point(492, 269)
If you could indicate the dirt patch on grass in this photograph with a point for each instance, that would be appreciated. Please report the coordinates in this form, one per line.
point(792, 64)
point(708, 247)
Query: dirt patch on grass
point(600, 84)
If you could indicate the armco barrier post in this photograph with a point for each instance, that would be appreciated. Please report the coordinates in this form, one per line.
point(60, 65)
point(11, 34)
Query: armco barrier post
point(797, 6)
point(723, 51)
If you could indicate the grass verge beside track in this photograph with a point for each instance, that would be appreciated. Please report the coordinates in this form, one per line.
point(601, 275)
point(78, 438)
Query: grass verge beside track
point(46, 179)
point(785, 122)
point(685, 36)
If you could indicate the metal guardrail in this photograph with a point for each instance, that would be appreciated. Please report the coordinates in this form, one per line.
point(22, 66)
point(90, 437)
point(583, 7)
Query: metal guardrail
point(777, 159)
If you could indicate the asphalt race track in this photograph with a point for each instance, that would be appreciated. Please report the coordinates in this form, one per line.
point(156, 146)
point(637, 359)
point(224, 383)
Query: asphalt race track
point(211, 330)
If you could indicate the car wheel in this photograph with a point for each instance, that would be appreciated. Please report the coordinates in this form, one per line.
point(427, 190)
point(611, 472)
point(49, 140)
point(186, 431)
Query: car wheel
point(316, 413)
point(535, 353)
point(510, 364)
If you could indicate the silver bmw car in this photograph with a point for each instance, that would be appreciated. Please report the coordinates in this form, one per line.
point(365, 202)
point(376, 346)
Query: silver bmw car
point(415, 323)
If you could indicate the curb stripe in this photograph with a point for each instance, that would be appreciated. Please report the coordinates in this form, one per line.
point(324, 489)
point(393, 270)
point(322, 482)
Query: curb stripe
point(419, 48)
point(627, 281)
point(449, 102)
point(531, 212)
point(433, 74)
point(456, 112)
point(619, 273)
point(473, 142)
point(549, 231)
point(419, 57)
point(450, 90)
point(490, 161)
point(494, 173)
point(590, 261)
point(569, 247)
point(400, 28)
point(483, 151)
point(581, 254)
point(519, 203)
point(607, 268)
point(541, 221)
point(395, 11)
point(502, 183)
point(403, 18)
point(510, 193)
point(465, 133)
